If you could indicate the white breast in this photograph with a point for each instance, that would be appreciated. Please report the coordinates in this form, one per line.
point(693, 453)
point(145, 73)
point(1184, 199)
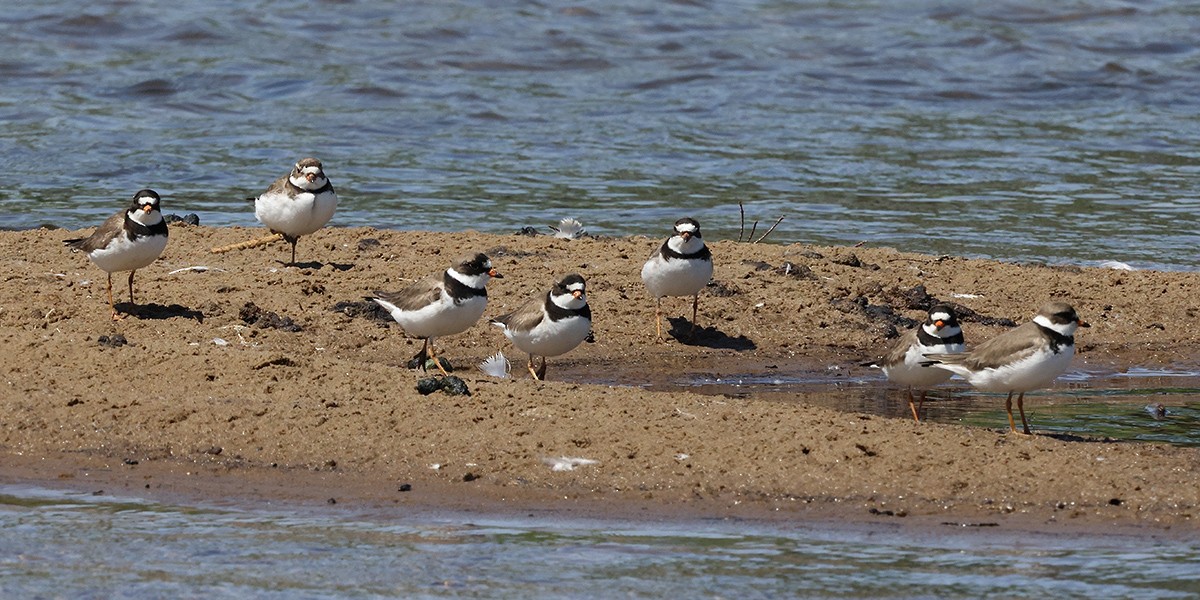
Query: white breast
point(440, 318)
point(123, 254)
point(1036, 371)
point(911, 373)
point(676, 277)
point(297, 216)
point(551, 338)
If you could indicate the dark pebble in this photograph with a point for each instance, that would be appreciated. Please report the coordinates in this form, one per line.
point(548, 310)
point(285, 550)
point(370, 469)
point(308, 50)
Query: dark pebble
point(251, 314)
point(428, 385)
point(455, 386)
point(115, 341)
point(367, 309)
point(470, 477)
point(188, 219)
point(406, 487)
point(792, 269)
point(1116, 502)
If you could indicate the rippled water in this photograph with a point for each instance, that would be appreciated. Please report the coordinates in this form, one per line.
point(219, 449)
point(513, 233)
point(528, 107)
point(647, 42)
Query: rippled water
point(1020, 130)
point(72, 545)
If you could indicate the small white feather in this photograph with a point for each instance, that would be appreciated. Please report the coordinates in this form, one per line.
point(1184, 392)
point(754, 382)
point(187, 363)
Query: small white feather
point(567, 463)
point(569, 229)
point(1116, 264)
point(496, 366)
point(197, 269)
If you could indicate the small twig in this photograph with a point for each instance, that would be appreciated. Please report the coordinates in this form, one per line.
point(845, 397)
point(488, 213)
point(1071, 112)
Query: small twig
point(742, 210)
point(262, 241)
point(764, 236)
point(753, 228)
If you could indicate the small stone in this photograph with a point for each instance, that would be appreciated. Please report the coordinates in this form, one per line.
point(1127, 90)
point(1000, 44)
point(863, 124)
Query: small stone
point(428, 385)
point(470, 477)
point(455, 386)
point(115, 341)
point(406, 487)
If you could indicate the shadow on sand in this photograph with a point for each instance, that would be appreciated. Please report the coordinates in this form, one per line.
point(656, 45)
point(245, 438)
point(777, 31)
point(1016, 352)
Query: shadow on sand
point(707, 337)
point(159, 312)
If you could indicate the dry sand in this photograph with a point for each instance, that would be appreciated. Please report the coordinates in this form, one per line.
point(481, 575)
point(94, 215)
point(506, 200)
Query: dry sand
point(314, 402)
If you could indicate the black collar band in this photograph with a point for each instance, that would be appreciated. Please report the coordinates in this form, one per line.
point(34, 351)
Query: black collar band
point(668, 253)
point(460, 291)
point(558, 313)
point(1057, 340)
point(928, 339)
point(135, 230)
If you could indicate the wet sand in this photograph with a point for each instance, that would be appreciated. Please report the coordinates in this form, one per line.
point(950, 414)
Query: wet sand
point(250, 381)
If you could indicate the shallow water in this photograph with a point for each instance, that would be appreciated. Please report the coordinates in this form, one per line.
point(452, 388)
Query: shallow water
point(1019, 130)
point(1138, 404)
point(60, 544)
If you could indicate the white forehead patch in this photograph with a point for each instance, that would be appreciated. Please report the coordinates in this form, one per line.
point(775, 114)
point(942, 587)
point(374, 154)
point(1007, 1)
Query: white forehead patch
point(688, 227)
point(575, 287)
point(940, 316)
point(313, 170)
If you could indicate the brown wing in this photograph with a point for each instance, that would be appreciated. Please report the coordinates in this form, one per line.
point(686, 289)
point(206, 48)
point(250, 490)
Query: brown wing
point(1013, 344)
point(526, 317)
point(417, 295)
point(109, 229)
point(895, 354)
point(279, 186)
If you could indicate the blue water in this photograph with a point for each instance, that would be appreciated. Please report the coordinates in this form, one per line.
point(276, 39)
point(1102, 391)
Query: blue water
point(1022, 130)
point(72, 545)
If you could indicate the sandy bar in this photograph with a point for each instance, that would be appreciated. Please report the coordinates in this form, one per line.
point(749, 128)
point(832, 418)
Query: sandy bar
point(201, 404)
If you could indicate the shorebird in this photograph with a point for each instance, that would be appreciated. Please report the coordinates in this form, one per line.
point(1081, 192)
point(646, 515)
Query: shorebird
point(902, 364)
point(442, 304)
point(298, 203)
point(127, 241)
point(550, 324)
point(682, 266)
point(1024, 359)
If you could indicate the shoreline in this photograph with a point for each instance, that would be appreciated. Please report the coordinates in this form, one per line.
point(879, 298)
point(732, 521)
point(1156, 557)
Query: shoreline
point(341, 494)
point(332, 407)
